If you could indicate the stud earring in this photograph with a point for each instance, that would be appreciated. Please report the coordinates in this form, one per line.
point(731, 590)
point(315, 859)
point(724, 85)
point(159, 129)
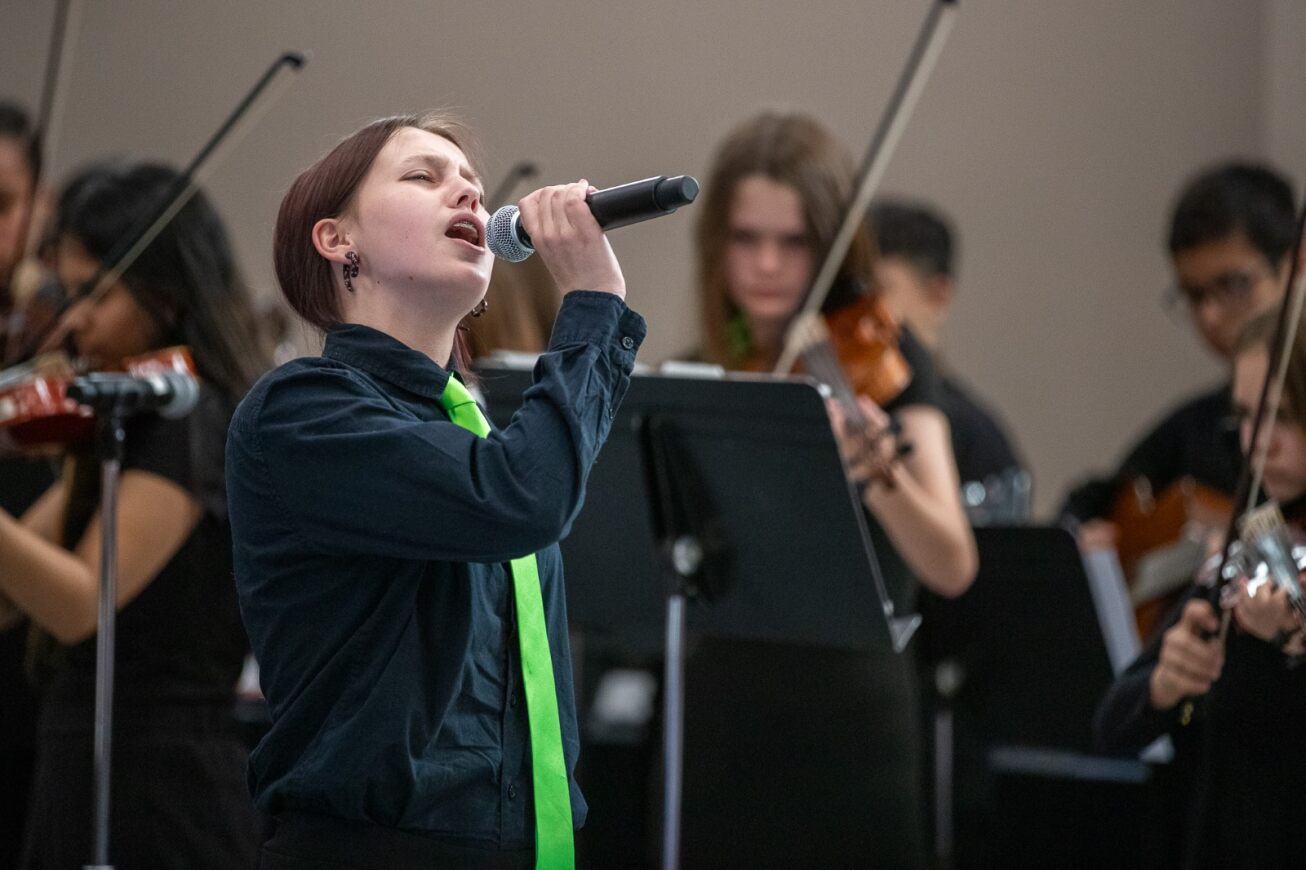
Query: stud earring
point(480, 308)
point(350, 270)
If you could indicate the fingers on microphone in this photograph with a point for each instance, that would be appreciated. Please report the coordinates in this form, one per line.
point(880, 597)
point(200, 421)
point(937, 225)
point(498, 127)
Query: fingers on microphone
point(577, 210)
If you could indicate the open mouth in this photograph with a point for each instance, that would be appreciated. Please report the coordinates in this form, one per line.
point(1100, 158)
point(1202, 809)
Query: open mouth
point(467, 229)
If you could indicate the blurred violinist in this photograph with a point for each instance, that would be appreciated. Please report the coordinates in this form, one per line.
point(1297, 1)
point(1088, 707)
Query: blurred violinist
point(22, 479)
point(1238, 748)
point(771, 207)
point(1230, 245)
point(29, 297)
point(773, 200)
point(179, 797)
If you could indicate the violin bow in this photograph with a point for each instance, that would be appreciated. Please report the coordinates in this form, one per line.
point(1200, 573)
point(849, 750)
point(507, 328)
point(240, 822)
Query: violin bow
point(50, 110)
point(893, 123)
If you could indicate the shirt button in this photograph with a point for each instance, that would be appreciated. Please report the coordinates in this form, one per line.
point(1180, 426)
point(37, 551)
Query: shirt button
point(512, 792)
point(627, 342)
point(512, 700)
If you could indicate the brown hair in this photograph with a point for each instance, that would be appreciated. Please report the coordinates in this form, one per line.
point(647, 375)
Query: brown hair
point(1259, 334)
point(325, 190)
point(523, 301)
point(787, 148)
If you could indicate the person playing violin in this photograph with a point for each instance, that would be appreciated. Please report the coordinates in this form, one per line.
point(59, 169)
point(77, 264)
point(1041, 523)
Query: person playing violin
point(773, 200)
point(1237, 750)
point(22, 479)
point(178, 760)
point(396, 558)
point(771, 206)
point(1230, 245)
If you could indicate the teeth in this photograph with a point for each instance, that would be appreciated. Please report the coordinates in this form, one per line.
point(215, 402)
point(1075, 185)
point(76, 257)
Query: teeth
point(470, 230)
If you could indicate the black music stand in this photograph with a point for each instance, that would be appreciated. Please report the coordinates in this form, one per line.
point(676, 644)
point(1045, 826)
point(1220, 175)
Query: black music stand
point(1020, 660)
point(721, 491)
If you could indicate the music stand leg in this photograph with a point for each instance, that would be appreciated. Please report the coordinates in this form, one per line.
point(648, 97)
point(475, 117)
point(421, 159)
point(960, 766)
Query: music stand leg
point(943, 786)
point(112, 438)
point(673, 728)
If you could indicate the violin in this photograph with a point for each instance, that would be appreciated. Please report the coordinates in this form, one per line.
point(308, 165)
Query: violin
point(1161, 538)
point(36, 415)
point(864, 337)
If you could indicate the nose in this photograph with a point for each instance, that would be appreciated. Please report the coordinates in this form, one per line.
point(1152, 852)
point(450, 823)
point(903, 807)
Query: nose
point(468, 195)
point(1267, 439)
point(76, 318)
point(1209, 315)
point(768, 257)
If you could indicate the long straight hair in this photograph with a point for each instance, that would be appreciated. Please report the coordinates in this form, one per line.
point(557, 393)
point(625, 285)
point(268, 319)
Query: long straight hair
point(325, 190)
point(787, 148)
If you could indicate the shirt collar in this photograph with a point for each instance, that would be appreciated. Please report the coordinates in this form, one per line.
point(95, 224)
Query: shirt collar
point(386, 357)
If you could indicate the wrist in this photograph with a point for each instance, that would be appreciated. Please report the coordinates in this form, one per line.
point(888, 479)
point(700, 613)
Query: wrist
point(1157, 698)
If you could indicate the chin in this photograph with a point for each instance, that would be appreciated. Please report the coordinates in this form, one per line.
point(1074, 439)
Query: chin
point(772, 311)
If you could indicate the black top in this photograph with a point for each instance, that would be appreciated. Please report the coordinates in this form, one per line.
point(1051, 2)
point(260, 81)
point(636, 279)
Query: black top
point(981, 447)
point(923, 389)
point(1239, 759)
point(370, 535)
point(180, 640)
point(1199, 439)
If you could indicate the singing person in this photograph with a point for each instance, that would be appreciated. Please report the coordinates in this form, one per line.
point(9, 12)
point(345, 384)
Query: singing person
point(396, 558)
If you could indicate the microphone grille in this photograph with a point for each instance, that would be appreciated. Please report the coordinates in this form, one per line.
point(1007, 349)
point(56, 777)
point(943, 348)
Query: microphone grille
point(501, 236)
point(185, 395)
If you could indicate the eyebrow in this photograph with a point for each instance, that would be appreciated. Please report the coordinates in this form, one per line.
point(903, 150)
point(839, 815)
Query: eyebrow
point(441, 163)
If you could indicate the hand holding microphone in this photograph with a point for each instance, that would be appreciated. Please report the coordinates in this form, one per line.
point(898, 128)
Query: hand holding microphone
point(564, 222)
point(569, 239)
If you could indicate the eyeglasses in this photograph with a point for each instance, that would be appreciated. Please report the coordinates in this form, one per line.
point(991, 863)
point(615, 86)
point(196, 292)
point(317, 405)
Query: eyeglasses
point(1228, 290)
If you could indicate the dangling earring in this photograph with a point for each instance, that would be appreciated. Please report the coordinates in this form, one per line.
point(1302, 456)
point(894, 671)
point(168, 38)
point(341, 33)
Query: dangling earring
point(480, 308)
point(350, 270)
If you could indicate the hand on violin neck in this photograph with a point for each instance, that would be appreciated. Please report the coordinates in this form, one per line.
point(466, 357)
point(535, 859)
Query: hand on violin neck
point(1191, 659)
point(1262, 610)
point(868, 441)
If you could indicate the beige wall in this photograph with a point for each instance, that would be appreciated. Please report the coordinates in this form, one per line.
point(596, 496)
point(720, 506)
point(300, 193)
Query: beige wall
point(1055, 133)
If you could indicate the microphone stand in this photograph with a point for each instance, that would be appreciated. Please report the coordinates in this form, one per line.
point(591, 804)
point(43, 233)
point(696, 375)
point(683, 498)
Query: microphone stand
point(111, 441)
point(110, 446)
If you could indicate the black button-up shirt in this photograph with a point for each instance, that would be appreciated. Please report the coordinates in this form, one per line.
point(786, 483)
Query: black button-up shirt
point(370, 539)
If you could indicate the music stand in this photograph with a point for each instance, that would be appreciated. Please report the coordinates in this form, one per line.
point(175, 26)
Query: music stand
point(1024, 653)
point(697, 495)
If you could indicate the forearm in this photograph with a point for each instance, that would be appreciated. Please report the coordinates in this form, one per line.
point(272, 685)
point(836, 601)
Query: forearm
point(49, 584)
point(1126, 721)
point(931, 535)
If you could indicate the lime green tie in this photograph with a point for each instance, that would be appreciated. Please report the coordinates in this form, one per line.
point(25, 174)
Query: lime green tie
point(553, 832)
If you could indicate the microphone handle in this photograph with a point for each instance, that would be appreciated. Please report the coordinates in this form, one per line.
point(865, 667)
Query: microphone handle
point(641, 200)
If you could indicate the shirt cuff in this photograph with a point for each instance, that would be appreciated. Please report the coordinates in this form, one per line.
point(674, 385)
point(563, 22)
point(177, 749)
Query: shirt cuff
point(591, 317)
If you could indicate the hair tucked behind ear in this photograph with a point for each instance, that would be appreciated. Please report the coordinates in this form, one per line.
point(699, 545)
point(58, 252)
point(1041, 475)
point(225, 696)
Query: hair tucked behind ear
point(324, 190)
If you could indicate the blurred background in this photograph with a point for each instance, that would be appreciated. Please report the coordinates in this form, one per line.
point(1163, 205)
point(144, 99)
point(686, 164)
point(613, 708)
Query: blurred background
point(1054, 134)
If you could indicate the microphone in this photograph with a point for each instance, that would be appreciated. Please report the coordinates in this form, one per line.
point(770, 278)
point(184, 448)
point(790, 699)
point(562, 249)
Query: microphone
point(612, 208)
point(171, 394)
